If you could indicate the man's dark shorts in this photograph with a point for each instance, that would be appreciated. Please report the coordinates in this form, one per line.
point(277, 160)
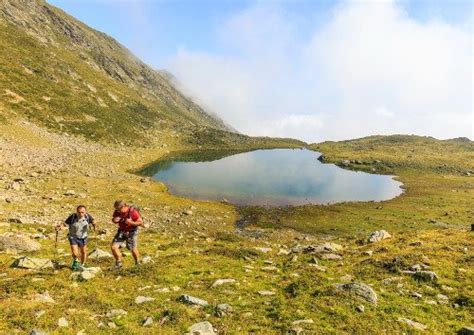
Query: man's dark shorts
point(80, 242)
point(129, 238)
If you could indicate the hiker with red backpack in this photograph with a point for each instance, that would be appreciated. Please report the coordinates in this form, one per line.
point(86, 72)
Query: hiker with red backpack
point(128, 219)
point(78, 224)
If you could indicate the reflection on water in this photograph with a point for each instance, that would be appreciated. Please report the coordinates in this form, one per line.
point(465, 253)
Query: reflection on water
point(269, 178)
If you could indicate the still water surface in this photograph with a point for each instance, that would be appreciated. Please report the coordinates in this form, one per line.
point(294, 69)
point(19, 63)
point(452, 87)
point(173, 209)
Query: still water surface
point(275, 177)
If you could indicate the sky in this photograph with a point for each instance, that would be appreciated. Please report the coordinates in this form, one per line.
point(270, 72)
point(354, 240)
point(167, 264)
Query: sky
point(307, 69)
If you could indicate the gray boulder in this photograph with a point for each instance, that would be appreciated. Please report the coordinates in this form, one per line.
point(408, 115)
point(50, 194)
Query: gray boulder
point(202, 328)
point(326, 247)
point(146, 259)
point(466, 331)
point(263, 249)
point(187, 299)
point(37, 332)
point(44, 298)
point(413, 324)
point(419, 267)
point(26, 262)
point(378, 235)
point(223, 309)
point(361, 290)
point(86, 274)
point(302, 321)
point(220, 282)
point(148, 321)
point(99, 253)
point(360, 308)
point(19, 243)
point(142, 299)
point(63, 323)
point(116, 313)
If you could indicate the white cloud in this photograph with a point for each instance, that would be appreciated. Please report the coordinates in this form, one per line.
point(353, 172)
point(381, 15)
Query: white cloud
point(382, 111)
point(370, 69)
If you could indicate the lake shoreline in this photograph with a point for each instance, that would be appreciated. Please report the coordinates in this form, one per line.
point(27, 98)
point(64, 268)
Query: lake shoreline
point(223, 173)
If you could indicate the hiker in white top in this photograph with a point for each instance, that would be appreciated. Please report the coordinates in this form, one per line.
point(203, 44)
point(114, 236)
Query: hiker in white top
point(78, 224)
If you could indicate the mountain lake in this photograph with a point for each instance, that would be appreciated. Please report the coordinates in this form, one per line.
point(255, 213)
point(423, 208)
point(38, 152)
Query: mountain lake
point(275, 177)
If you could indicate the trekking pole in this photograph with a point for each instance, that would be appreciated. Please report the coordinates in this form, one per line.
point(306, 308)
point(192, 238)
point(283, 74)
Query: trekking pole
point(94, 237)
point(56, 248)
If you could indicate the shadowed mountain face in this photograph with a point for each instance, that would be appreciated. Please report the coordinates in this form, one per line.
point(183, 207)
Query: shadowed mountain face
point(63, 74)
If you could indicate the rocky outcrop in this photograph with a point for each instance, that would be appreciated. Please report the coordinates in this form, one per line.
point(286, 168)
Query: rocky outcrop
point(18, 243)
point(360, 290)
point(99, 253)
point(187, 299)
point(202, 328)
point(413, 324)
point(377, 236)
point(466, 331)
point(220, 282)
point(26, 262)
point(323, 248)
point(86, 274)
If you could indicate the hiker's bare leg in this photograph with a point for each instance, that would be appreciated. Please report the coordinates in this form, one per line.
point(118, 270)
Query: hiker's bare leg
point(83, 255)
point(116, 252)
point(135, 254)
point(74, 251)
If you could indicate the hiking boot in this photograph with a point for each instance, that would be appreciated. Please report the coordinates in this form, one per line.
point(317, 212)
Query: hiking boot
point(75, 265)
point(117, 266)
point(81, 267)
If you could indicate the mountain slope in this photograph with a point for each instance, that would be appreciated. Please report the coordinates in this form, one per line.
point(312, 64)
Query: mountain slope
point(57, 71)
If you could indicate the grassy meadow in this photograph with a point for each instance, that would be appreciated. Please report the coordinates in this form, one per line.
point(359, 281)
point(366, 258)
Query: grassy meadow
point(190, 251)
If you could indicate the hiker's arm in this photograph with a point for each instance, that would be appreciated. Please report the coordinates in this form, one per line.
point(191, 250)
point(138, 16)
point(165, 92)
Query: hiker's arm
point(116, 217)
point(137, 223)
point(91, 221)
point(67, 222)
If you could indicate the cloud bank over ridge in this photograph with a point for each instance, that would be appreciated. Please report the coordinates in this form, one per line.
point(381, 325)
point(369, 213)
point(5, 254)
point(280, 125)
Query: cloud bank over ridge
point(369, 68)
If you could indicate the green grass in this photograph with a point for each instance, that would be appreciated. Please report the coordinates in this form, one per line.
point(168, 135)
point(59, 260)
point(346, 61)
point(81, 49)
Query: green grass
point(190, 252)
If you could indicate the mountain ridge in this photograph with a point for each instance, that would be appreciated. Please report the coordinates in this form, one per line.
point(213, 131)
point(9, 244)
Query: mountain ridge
point(46, 47)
